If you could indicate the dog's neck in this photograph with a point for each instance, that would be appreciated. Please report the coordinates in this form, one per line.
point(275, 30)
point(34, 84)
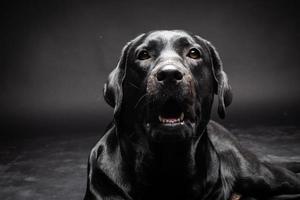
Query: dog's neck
point(173, 163)
point(172, 159)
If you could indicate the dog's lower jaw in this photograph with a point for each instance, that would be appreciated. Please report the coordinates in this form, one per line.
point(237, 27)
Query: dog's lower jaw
point(175, 133)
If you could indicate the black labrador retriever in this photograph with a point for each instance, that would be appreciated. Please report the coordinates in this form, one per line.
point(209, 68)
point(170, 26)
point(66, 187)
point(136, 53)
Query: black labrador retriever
point(162, 144)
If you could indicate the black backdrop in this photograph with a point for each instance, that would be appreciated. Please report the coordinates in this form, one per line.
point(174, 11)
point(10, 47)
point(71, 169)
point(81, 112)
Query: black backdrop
point(56, 55)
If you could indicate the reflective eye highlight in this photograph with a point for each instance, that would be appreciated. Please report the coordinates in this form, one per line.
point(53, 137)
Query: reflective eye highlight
point(143, 55)
point(194, 53)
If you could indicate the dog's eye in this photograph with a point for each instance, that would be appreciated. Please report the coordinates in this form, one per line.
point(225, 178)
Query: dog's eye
point(194, 53)
point(143, 55)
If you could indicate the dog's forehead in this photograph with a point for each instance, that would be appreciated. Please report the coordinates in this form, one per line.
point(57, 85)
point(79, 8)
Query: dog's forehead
point(166, 36)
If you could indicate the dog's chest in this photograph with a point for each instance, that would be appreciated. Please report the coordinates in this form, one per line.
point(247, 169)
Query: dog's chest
point(175, 176)
point(177, 189)
point(180, 182)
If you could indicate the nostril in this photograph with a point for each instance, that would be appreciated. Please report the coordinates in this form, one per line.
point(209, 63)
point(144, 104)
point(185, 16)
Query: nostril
point(161, 76)
point(169, 73)
point(178, 75)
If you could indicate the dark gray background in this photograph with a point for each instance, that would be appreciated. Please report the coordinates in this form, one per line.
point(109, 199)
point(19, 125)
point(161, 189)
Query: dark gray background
point(56, 55)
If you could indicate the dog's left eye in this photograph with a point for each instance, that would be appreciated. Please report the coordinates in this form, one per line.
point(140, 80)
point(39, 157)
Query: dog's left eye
point(194, 53)
point(143, 55)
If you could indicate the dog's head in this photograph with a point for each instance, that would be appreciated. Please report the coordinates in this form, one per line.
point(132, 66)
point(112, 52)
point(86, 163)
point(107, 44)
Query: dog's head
point(166, 81)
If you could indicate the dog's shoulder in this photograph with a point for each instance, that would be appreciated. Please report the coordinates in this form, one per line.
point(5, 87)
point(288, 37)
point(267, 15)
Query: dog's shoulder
point(220, 136)
point(106, 147)
point(233, 155)
point(241, 170)
point(105, 167)
point(224, 141)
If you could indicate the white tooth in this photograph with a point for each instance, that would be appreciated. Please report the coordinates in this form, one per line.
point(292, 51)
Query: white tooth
point(160, 118)
point(181, 116)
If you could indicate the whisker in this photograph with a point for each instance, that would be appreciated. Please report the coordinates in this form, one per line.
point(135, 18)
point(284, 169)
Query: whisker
point(132, 84)
point(140, 99)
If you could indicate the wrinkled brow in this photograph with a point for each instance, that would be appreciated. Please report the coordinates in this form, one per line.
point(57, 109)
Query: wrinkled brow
point(183, 42)
point(152, 44)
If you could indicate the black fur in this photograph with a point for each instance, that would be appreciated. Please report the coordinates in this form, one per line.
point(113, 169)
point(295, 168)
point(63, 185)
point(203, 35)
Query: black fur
point(139, 158)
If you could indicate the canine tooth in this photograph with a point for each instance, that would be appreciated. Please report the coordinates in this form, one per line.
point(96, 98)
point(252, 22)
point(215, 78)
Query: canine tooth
point(160, 118)
point(181, 116)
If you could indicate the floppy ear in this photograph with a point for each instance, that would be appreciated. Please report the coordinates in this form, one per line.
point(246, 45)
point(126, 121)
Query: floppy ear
point(113, 88)
point(223, 89)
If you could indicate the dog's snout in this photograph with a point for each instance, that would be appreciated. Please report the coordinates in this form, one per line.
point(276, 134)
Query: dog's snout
point(169, 73)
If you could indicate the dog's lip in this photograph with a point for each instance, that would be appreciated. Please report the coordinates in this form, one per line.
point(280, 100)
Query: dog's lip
point(167, 125)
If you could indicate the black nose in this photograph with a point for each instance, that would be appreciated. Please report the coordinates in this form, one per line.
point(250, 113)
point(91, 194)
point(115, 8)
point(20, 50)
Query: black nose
point(169, 73)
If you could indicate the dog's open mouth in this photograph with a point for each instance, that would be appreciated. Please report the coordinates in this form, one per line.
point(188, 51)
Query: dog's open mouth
point(171, 119)
point(171, 113)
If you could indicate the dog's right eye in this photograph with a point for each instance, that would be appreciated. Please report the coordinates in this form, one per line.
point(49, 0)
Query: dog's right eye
point(143, 55)
point(194, 53)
